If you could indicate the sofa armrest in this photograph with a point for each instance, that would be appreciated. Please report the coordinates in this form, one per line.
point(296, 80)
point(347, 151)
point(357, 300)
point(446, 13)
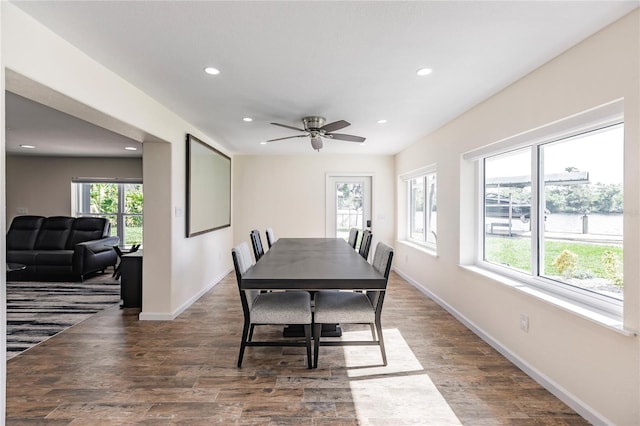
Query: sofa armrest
point(94, 255)
point(97, 246)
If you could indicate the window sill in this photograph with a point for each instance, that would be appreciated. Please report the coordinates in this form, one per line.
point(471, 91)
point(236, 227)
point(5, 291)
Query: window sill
point(582, 311)
point(422, 248)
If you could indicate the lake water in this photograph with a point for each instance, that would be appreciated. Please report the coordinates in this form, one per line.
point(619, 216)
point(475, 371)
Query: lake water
point(600, 224)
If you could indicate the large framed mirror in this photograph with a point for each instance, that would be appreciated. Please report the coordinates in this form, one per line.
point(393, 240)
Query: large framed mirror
point(208, 188)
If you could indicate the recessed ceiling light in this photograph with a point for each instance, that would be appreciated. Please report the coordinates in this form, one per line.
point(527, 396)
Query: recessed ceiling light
point(383, 121)
point(212, 71)
point(424, 71)
point(27, 146)
point(263, 143)
point(247, 119)
point(130, 148)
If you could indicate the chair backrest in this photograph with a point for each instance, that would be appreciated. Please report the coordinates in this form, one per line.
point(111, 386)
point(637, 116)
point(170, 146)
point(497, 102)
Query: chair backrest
point(353, 237)
point(365, 244)
point(241, 263)
point(256, 242)
point(23, 232)
point(271, 237)
point(382, 259)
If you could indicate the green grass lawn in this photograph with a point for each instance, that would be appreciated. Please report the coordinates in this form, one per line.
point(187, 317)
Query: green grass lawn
point(516, 252)
point(133, 235)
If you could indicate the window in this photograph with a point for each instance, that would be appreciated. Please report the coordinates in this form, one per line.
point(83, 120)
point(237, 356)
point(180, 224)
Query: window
point(552, 211)
point(121, 203)
point(423, 218)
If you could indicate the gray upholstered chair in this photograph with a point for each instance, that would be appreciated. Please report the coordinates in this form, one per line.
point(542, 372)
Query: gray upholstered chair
point(365, 244)
point(256, 242)
point(280, 308)
point(352, 307)
point(353, 237)
point(271, 237)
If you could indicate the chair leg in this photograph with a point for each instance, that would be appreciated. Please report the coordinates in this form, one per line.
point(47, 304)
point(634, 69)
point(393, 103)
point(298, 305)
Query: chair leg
point(251, 333)
point(317, 329)
point(243, 344)
point(307, 338)
point(381, 342)
point(373, 331)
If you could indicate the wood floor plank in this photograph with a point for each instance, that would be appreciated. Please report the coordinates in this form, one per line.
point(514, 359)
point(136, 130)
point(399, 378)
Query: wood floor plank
point(113, 369)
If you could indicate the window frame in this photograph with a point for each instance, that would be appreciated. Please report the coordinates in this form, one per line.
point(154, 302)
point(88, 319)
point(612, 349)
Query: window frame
point(603, 117)
point(406, 179)
point(77, 188)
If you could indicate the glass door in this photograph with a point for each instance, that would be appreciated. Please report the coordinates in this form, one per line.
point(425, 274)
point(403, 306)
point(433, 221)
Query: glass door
point(348, 204)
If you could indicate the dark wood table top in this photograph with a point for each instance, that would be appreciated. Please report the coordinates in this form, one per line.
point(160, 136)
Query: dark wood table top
point(312, 264)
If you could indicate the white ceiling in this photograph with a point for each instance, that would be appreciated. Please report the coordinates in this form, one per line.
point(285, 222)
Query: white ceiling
point(356, 61)
point(54, 133)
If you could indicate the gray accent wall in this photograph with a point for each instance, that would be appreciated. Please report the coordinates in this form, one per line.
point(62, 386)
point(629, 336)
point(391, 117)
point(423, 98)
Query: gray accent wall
point(42, 185)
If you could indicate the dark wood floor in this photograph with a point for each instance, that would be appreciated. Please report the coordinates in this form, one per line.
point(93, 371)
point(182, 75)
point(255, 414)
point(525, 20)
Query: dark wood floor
point(114, 369)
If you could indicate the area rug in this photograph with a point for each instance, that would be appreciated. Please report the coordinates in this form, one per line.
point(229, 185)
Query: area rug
point(37, 311)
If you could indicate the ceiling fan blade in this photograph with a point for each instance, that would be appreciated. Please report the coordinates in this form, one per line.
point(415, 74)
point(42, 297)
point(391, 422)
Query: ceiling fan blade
point(336, 125)
point(343, 137)
point(288, 137)
point(289, 127)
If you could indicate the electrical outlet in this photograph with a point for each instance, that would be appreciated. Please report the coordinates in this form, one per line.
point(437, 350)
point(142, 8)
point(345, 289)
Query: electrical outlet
point(524, 323)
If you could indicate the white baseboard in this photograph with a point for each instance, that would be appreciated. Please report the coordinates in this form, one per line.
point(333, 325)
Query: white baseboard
point(168, 316)
point(562, 394)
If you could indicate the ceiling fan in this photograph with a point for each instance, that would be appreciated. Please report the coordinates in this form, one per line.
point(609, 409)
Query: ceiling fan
point(316, 129)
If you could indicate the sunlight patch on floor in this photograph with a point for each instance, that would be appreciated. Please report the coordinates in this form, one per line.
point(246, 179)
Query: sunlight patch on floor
point(402, 390)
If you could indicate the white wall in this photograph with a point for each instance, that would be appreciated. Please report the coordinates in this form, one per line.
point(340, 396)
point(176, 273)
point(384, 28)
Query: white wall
point(173, 274)
point(3, 231)
point(42, 185)
point(287, 193)
point(595, 369)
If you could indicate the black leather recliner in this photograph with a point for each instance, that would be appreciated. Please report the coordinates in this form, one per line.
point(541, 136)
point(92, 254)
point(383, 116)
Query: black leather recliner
point(59, 247)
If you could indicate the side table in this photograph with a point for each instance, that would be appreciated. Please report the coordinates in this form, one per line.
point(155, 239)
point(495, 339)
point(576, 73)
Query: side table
point(131, 279)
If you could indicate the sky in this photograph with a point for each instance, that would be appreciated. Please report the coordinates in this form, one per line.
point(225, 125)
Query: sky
point(600, 153)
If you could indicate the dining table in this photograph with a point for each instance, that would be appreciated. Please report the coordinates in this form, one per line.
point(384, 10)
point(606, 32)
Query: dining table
point(312, 264)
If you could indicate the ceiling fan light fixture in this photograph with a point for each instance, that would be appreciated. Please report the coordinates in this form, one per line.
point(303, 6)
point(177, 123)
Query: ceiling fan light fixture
point(316, 142)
